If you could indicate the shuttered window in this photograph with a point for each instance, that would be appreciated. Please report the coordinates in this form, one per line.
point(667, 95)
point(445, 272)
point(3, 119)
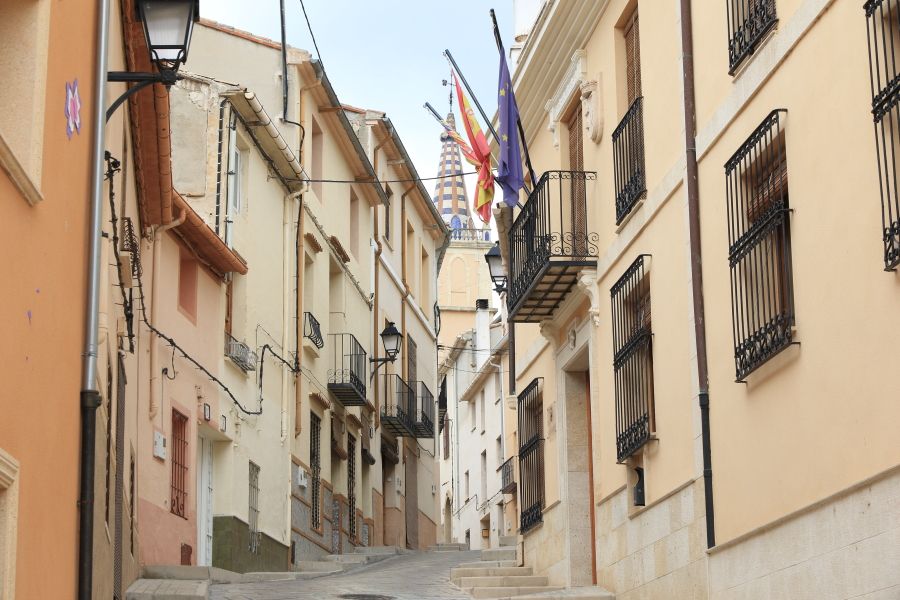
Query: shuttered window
point(577, 195)
point(633, 58)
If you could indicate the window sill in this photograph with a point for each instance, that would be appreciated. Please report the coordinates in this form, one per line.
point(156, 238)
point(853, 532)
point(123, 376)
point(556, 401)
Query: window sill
point(748, 60)
point(634, 209)
point(19, 177)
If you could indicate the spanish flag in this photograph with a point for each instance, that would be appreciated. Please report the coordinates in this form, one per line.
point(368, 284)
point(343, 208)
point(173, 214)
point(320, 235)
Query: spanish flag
point(481, 152)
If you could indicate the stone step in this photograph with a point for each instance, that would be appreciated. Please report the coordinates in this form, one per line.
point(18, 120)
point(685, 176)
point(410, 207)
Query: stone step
point(350, 558)
point(508, 540)
point(503, 581)
point(190, 573)
point(510, 592)
point(447, 547)
point(167, 589)
point(318, 566)
point(460, 572)
point(499, 554)
point(590, 593)
point(377, 550)
point(489, 564)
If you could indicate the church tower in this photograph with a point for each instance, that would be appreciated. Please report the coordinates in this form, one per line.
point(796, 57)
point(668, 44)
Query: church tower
point(464, 277)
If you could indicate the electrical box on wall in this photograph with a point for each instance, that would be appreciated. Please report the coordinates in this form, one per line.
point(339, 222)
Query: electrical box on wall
point(302, 478)
point(159, 445)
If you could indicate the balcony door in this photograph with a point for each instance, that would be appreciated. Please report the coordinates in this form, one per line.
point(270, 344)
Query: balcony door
point(577, 192)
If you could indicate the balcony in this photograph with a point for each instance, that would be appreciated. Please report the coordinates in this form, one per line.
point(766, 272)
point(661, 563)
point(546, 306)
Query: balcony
point(628, 160)
point(508, 476)
point(549, 244)
point(347, 378)
point(424, 426)
point(398, 406)
point(240, 353)
point(312, 331)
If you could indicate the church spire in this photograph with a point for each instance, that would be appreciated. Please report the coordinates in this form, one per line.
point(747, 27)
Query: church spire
point(450, 195)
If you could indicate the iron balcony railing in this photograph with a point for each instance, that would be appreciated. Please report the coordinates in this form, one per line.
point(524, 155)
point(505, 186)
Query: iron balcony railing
point(759, 252)
point(398, 406)
point(425, 410)
point(628, 160)
point(347, 377)
point(883, 23)
point(442, 402)
point(748, 22)
point(632, 359)
point(508, 476)
point(548, 243)
point(470, 235)
point(240, 353)
point(312, 330)
point(531, 455)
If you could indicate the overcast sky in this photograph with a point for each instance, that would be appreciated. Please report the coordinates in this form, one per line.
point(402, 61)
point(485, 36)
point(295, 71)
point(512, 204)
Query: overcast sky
point(387, 54)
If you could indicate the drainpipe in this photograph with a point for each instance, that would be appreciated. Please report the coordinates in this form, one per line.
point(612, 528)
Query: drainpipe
point(287, 223)
point(90, 395)
point(301, 273)
point(690, 140)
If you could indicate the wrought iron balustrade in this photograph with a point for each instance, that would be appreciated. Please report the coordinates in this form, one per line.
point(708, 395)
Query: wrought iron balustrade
point(759, 253)
point(883, 25)
point(549, 243)
point(748, 22)
point(531, 455)
point(347, 377)
point(240, 353)
point(628, 160)
point(312, 330)
point(508, 476)
point(632, 359)
point(398, 406)
point(470, 235)
point(425, 411)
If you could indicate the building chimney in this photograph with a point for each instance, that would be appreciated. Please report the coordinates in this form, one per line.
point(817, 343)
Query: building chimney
point(482, 331)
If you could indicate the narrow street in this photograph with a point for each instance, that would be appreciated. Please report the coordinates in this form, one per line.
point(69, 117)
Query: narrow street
point(417, 576)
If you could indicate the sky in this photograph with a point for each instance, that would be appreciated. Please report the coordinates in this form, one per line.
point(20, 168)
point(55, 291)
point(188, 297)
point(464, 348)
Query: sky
point(387, 55)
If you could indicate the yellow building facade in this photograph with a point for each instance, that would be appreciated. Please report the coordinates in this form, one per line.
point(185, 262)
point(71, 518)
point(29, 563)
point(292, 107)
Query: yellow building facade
point(702, 381)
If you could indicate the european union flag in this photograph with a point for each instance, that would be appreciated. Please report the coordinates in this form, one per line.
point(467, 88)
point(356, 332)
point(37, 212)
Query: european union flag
point(509, 169)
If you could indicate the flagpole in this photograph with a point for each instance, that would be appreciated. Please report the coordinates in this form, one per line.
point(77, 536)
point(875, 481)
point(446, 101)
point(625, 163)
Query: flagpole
point(471, 93)
point(434, 113)
point(518, 119)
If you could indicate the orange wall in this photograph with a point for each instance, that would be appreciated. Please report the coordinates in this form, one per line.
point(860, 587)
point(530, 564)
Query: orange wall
point(41, 320)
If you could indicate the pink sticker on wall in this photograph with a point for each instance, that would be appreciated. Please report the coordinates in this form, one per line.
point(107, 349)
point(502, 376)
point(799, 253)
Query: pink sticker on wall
point(73, 109)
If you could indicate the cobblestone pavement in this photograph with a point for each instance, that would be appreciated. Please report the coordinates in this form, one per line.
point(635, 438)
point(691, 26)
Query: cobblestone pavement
point(417, 576)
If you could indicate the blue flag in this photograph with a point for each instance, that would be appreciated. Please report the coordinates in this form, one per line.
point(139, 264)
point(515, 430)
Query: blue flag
point(509, 169)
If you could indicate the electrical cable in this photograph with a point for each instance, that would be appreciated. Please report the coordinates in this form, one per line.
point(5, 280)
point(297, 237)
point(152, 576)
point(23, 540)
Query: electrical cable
point(379, 181)
point(311, 34)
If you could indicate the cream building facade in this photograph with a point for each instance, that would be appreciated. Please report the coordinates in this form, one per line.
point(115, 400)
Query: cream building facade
point(635, 439)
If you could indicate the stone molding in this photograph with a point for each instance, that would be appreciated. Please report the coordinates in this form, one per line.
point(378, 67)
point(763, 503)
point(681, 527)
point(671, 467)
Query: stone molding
point(571, 82)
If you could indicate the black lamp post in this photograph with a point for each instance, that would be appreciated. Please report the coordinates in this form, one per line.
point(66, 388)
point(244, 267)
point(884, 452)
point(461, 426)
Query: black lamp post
point(495, 266)
point(168, 25)
point(390, 339)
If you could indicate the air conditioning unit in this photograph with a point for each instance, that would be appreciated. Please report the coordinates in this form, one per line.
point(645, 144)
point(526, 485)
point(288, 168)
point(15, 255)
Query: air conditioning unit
point(240, 353)
point(302, 478)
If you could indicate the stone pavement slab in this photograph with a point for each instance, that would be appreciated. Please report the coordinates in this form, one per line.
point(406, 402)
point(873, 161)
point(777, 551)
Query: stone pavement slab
point(416, 576)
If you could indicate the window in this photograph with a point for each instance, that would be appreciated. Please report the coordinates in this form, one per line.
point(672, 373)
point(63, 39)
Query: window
point(632, 359)
point(484, 494)
point(482, 401)
point(446, 441)
point(577, 191)
point(531, 454)
point(354, 224)
point(187, 286)
point(410, 257)
point(412, 361)
point(179, 460)
point(253, 508)
point(425, 279)
point(883, 22)
point(388, 213)
point(238, 163)
point(759, 252)
point(25, 27)
point(628, 137)
point(315, 461)
point(473, 414)
point(748, 22)
point(351, 484)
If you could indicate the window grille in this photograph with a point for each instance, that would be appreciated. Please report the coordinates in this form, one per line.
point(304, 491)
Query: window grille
point(253, 511)
point(315, 459)
point(628, 160)
point(312, 330)
point(883, 23)
point(351, 483)
point(132, 501)
point(179, 463)
point(748, 22)
point(632, 359)
point(759, 253)
point(412, 360)
point(531, 454)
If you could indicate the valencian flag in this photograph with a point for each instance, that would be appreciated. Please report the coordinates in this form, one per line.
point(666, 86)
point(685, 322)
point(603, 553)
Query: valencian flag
point(509, 169)
point(481, 152)
point(463, 146)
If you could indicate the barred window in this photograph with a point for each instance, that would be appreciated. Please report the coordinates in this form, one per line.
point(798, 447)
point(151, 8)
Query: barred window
point(253, 510)
point(748, 22)
point(759, 253)
point(531, 454)
point(632, 359)
point(628, 137)
point(883, 23)
point(179, 463)
point(315, 464)
point(351, 483)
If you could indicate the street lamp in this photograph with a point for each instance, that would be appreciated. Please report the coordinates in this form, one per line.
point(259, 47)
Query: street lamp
point(168, 25)
point(390, 339)
point(495, 267)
